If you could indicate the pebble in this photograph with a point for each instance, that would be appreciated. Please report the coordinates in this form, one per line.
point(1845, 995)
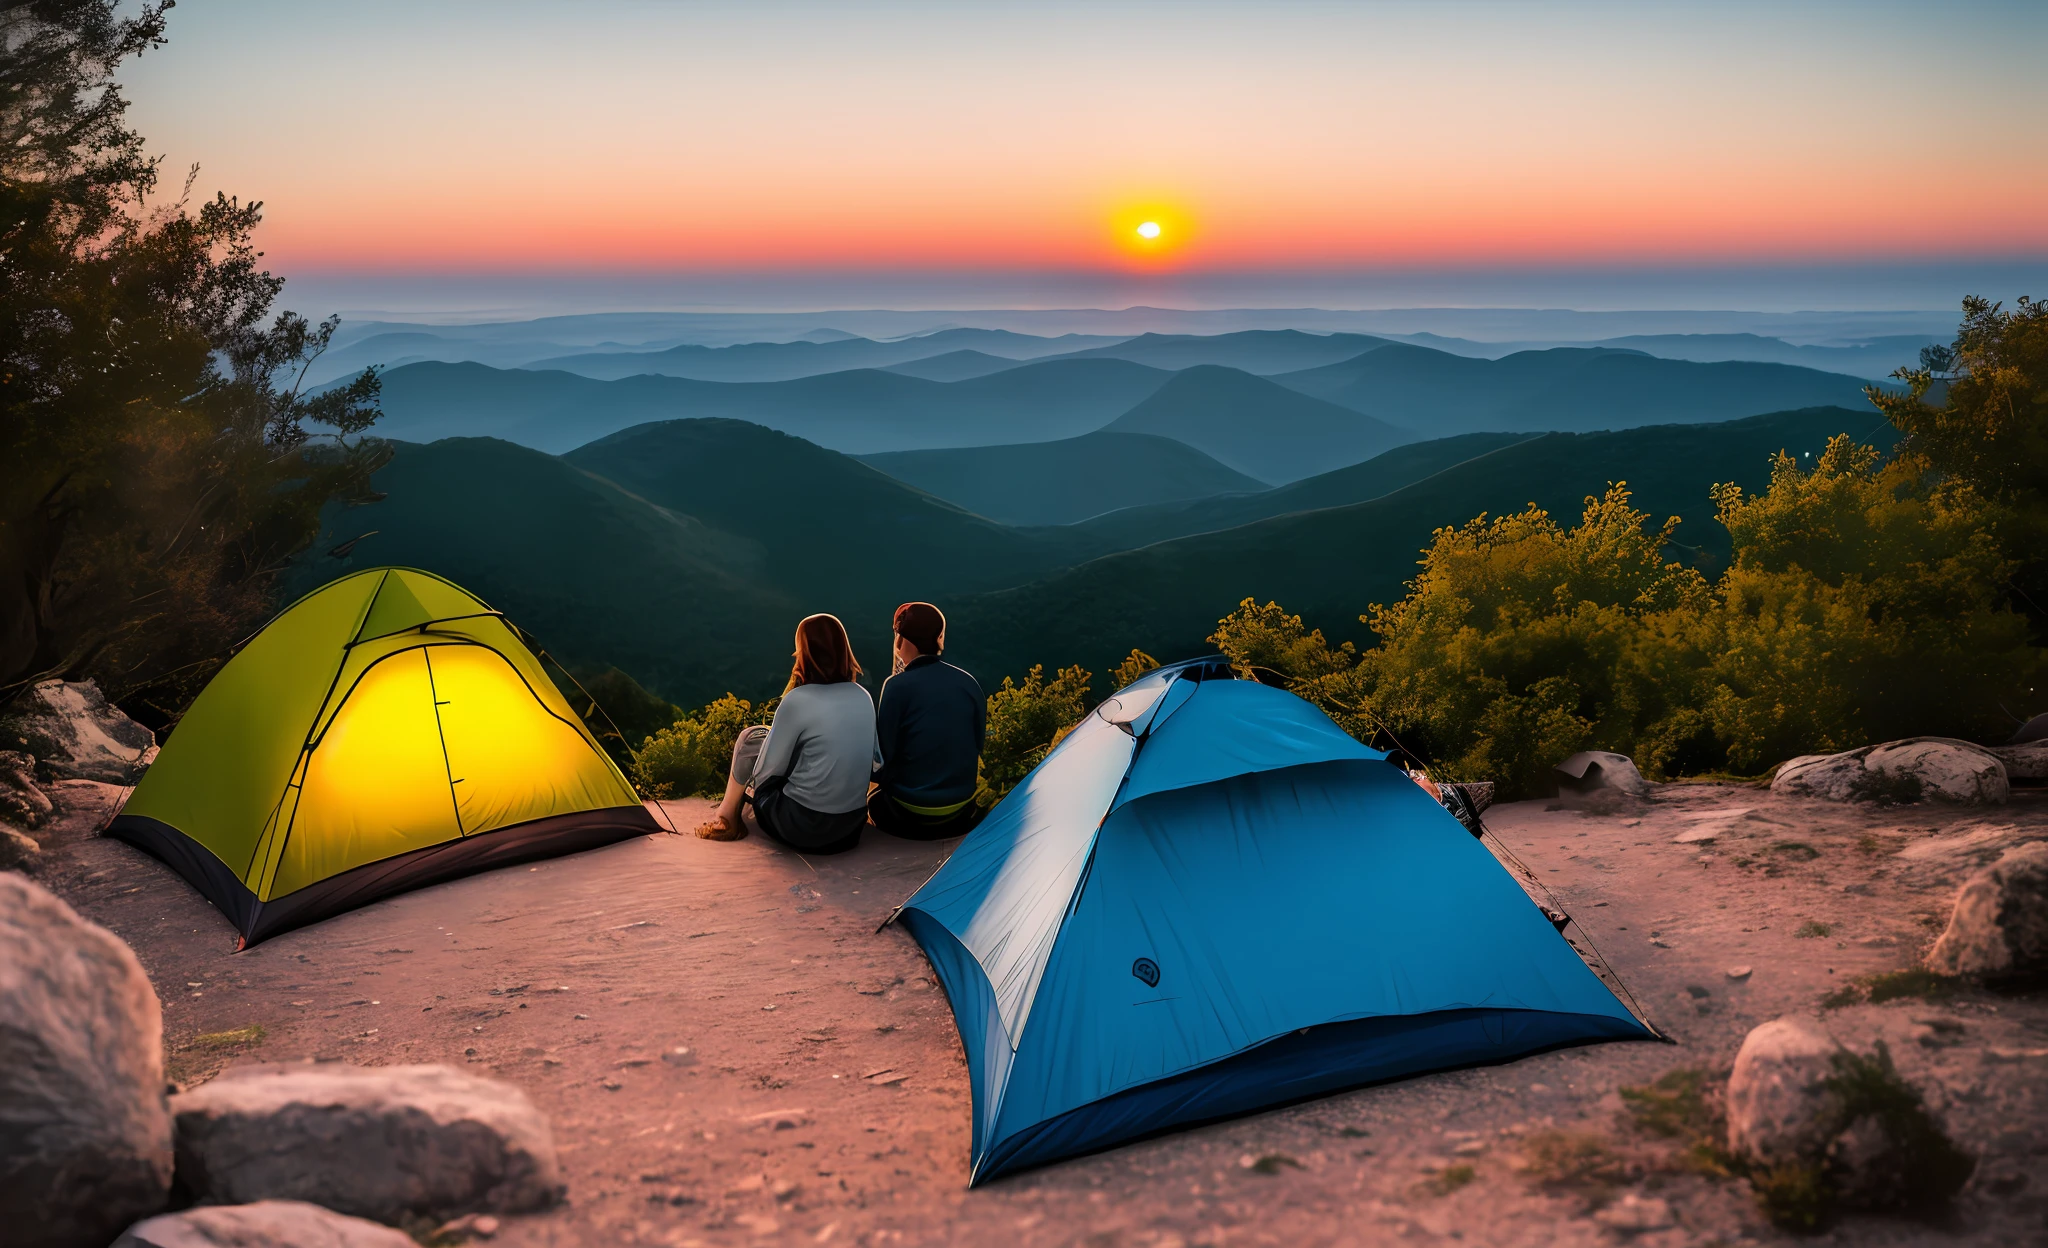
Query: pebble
point(1739, 972)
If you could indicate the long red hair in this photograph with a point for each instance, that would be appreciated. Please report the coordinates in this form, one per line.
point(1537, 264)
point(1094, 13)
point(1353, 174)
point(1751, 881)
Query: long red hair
point(824, 656)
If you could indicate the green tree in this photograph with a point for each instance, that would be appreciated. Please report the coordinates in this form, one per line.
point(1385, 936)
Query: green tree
point(1521, 642)
point(162, 461)
point(1025, 721)
point(1977, 412)
point(1866, 601)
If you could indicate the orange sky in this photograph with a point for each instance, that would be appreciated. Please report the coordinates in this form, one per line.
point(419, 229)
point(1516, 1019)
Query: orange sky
point(622, 135)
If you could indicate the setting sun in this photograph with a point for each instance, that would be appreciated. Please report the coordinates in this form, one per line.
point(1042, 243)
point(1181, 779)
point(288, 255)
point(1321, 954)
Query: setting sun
point(1149, 230)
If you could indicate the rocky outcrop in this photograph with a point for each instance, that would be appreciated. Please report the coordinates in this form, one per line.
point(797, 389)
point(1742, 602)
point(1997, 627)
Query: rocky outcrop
point(22, 801)
point(76, 734)
point(385, 1143)
point(1822, 1128)
point(2025, 762)
point(85, 1138)
point(1594, 771)
point(265, 1224)
point(1911, 770)
point(1999, 927)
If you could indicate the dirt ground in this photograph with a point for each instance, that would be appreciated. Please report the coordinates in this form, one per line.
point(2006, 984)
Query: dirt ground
point(823, 1097)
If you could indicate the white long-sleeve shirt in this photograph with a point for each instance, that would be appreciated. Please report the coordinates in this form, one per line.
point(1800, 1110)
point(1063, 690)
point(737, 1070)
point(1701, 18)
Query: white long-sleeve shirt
point(823, 740)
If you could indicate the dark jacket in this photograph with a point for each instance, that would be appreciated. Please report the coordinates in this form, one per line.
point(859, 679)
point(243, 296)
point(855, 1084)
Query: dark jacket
point(929, 728)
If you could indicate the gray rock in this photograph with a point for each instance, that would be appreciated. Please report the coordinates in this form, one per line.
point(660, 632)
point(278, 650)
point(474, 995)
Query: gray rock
point(22, 802)
point(1999, 928)
point(1777, 1096)
point(2025, 761)
point(78, 735)
point(1899, 771)
point(1797, 1100)
point(85, 1138)
point(1591, 771)
point(384, 1143)
point(265, 1224)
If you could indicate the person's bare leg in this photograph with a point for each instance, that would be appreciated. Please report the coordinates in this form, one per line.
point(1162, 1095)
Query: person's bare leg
point(728, 823)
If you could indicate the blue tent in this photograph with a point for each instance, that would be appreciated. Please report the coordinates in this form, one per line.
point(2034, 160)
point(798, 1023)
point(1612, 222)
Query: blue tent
point(1207, 900)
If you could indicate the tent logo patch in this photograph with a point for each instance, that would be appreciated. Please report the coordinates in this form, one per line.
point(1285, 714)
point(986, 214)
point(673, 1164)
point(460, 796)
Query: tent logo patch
point(1147, 970)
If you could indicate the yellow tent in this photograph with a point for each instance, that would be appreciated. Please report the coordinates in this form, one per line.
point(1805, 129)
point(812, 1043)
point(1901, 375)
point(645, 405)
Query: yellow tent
point(385, 732)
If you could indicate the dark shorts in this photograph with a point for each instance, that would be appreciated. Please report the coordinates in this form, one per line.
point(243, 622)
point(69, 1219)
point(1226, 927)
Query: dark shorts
point(786, 821)
point(888, 815)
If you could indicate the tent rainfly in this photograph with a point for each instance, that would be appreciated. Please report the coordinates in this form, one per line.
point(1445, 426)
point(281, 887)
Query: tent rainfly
point(385, 732)
point(1208, 900)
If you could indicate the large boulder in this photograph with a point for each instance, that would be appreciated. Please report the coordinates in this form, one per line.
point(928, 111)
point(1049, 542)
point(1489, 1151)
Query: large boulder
point(85, 1138)
point(22, 801)
point(265, 1224)
point(1999, 928)
point(1777, 1092)
point(2025, 761)
point(1596, 771)
point(384, 1143)
point(78, 735)
point(1821, 1128)
point(1899, 771)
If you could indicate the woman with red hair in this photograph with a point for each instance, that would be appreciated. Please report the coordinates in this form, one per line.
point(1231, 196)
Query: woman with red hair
point(806, 774)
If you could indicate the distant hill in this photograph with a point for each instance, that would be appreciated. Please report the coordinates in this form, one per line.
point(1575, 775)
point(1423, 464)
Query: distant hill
point(811, 356)
point(953, 366)
point(1330, 565)
point(1872, 360)
point(1382, 474)
point(596, 574)
point(1568, 388)
point(1064, 481)
point(1261, 429)
point(858, 412)
point(1260, 351)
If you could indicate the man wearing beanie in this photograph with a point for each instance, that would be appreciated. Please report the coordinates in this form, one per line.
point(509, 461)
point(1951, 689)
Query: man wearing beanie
point(929, 728)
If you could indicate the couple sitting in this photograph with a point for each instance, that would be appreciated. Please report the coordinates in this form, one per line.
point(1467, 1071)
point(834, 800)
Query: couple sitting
point(829, 763)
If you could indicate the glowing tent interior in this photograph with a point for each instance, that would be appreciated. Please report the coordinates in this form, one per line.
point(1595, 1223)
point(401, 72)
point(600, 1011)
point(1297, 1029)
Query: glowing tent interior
point(385, 732)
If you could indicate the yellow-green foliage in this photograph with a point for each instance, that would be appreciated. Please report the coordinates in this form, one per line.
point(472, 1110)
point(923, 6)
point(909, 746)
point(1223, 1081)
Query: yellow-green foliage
point(1866, 600)
point(1136, 665)
point(691, 757)
point(1266, 640)
point(1025, 721)
point(1863, 604)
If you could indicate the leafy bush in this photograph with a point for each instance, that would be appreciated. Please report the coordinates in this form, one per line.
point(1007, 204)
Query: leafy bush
point(1134, 666)
point(1025, 721)
point(692, 756)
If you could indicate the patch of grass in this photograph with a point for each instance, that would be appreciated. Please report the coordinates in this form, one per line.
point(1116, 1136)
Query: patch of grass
point(1681, 1104)
point(1797, 851)
point(1794, 1197)
point(1674, 1105)
point(236, 1038)
point(1580, 1162)
point(1917, 983)
point(1869, 844)
point(1451, 1178)
point(1814, 929)
point(1842, 998)
point(1912, 984)
point(1923, 1169)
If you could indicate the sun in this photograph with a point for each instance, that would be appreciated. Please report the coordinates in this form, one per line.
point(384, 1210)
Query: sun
point(1149, 230)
